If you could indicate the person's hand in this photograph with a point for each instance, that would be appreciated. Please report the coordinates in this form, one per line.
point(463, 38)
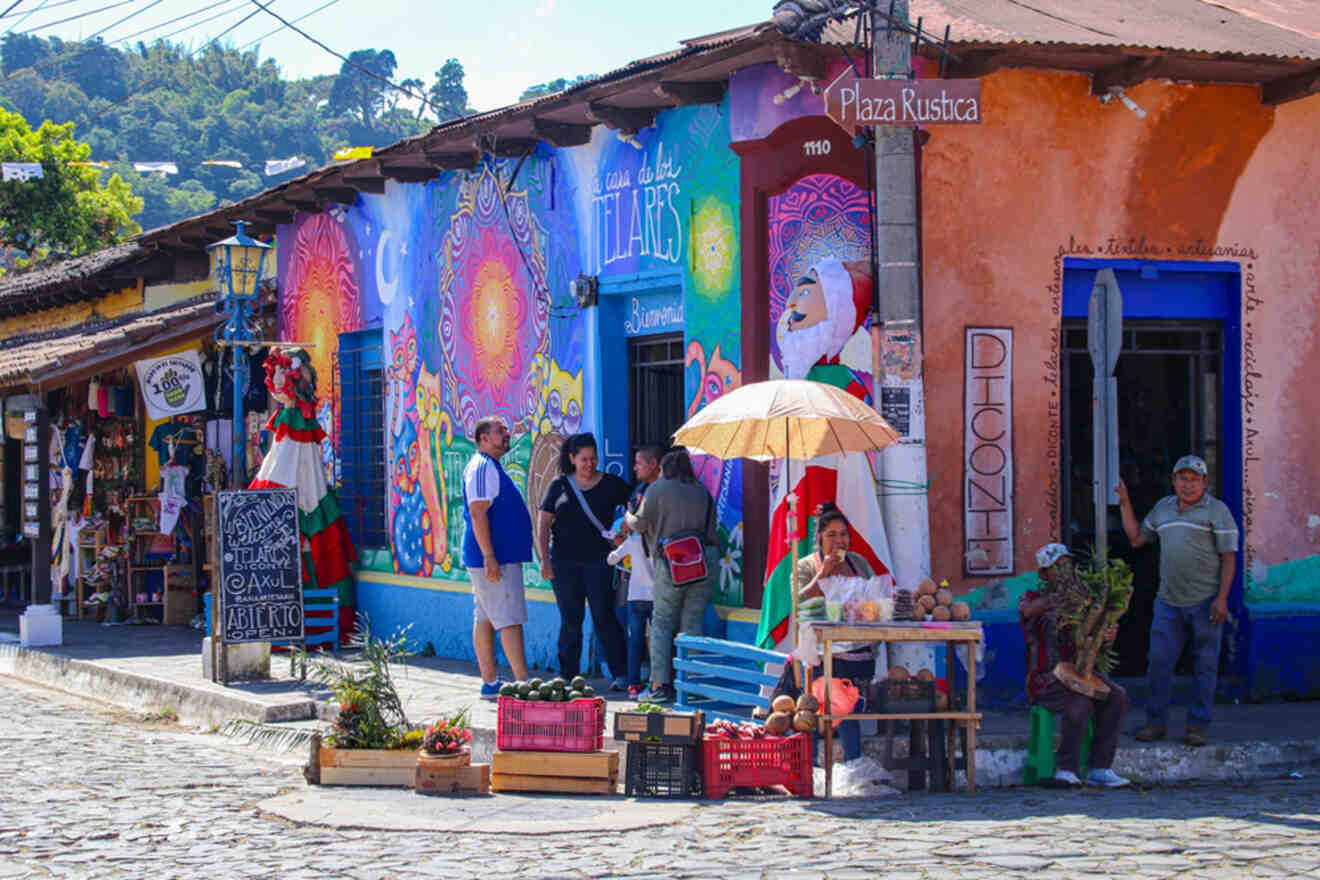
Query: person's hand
point(1122, 491)
point(831, 563)
point(1111, 632)
point(492, 567)
point(618, 539)
point(1219, 611)
point(547, 571)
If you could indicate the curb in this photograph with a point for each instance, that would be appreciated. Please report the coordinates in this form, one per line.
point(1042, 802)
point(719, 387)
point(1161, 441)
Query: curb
point(194, 704)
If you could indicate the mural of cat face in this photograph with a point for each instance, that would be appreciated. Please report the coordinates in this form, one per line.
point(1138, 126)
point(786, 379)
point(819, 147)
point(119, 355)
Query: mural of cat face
point(714, 378)
point(559, 406)
point(402, 369)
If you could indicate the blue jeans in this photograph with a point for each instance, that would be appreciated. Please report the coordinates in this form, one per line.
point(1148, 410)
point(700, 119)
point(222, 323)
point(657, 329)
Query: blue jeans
point(1168, 634)
point(638, 614)
point(577, 585)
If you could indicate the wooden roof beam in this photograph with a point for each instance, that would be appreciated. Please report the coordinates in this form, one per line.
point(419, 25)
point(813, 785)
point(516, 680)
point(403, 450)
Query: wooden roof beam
point(561, 134)
point(276, 214)
point(1127, 72)
point(344, 195)
point(627, 119)
point(1290, 88)
point(453, 160)
point(684, 93)
point(801, 59)
point(975, 63)
point(514, 147)
point(406, 172)
point(365, 176)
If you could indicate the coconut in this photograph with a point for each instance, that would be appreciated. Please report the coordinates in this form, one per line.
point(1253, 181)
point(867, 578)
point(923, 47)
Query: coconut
point(926, 587)
point(925, 675)
point(778, 723)
point(940, 612)
point(918, 612)
point(926, 601)
point(782, 703)
point(898, 673)
point(805, 722)
point(961, 611)
point(808, 703)
point(944, 597)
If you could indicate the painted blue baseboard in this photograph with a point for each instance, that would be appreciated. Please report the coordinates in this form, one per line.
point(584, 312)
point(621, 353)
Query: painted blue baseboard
point(1282, 662)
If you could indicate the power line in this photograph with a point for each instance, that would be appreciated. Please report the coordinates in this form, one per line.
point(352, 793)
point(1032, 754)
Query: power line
point(49, 24)
point(26, 16)
point(217, 37)
point(305, 15)
point(11, 8)
point(409, 92)
point(58, 3)
point(177, 18)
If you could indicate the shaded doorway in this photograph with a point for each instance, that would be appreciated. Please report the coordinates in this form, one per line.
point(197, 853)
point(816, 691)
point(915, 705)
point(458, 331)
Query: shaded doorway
point(655, 389)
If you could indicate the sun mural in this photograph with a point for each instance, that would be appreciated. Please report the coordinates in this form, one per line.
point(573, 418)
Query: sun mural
point(320, 298)
point(494, 316)
point(714, 247)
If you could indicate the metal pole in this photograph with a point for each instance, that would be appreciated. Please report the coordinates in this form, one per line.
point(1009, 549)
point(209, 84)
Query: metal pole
point(238, 469)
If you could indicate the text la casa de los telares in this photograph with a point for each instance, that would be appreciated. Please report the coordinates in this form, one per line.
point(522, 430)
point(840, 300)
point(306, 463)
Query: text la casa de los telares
point(853, 102)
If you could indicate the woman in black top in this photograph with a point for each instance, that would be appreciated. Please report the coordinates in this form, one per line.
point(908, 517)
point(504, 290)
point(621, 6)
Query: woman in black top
point(573, 551)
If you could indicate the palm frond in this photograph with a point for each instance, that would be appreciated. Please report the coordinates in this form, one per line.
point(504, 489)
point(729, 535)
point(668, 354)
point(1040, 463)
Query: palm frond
point(267, 735)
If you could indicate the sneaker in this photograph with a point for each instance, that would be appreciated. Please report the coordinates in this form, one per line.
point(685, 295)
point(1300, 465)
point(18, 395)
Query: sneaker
point(1066, 779)
point(1195, 736)
point(619, 684)
point(1106, 778)
point(1150, 733)
point(492, 690)
point(657, 693)
point(633, 691)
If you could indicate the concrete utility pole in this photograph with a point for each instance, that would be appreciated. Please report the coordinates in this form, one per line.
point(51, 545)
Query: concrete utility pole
point(904, 495)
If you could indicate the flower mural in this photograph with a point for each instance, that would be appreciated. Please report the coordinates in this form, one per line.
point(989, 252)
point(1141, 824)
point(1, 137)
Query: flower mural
point(714, 247)
point(494, 312)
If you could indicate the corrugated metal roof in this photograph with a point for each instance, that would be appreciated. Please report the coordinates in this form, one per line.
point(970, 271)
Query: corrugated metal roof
point(28, 357)
point(1273, 28)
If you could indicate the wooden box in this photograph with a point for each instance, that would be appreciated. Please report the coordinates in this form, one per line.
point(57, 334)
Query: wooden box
point(671, 728)
point(472, 779)
point(383, 767)
point(561, 772)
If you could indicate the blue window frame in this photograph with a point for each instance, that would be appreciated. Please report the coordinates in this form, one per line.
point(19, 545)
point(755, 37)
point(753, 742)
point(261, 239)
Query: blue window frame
point(362, 436)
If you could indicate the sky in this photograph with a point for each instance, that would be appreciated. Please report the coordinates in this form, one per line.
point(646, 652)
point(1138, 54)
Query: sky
point(504, 45)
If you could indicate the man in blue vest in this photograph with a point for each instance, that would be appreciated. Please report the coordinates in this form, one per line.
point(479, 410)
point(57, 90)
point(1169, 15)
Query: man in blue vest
point(497, 541)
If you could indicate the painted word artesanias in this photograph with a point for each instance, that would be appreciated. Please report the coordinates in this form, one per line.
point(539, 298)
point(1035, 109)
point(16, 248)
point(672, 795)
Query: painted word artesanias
point(910, 106)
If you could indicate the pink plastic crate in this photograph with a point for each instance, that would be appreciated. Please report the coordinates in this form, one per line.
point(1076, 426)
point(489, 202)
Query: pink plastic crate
point(773, 760)
point(575, 726)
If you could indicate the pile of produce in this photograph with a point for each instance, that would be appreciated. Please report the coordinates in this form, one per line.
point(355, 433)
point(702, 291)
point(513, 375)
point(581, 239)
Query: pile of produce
point(448, 735)
point(786, 718)
point(811, 609)
point(930, 602)
point(903, 685)
point(556, 690)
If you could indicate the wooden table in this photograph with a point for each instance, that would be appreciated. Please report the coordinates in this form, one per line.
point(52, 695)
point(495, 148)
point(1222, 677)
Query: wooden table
point(951, 633)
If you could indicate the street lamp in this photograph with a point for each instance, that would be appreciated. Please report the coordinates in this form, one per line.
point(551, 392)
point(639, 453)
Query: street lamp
point(239, 261)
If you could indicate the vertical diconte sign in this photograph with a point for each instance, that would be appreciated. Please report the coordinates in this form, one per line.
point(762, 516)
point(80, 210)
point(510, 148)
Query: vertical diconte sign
point(260, 577)
point(988, 452)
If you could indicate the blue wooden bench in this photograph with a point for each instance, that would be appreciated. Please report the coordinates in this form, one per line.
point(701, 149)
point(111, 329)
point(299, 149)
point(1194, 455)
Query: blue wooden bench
point(721, 678)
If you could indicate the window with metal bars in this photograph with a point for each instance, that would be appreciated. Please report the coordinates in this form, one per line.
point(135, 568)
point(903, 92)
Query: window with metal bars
point(362, 436)
point(655, 388)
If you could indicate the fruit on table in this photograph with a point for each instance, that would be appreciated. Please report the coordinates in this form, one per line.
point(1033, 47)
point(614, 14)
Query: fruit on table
point(944, 596)
point(578, 683)
point(805, 722)
point(778, 723)
point(918, 612)
point(926, 587)
point(961, 611)
point(782, 703)
point(940, 612)
point(808, 703)
point(925, 675)
point(926, 601)
point(898, 673)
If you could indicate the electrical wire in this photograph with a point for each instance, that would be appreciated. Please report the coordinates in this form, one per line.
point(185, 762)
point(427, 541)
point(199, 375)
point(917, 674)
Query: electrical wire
point(26, 16)
point(11, 8)
point(217, 37)
point(409, 92)
point(42, 27)
point(162, 24)
point(305, 15)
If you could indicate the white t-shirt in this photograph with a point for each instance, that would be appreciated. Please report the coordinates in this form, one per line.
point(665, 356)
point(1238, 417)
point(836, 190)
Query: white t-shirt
point(481, 478)
point(641, 583)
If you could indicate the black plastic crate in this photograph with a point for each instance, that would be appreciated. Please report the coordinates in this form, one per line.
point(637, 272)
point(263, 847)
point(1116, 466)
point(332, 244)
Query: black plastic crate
point(912, 696)
point(663, 770)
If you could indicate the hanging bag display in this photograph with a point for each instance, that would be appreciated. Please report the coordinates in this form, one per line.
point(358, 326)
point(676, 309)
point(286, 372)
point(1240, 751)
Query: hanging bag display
point(685, 553)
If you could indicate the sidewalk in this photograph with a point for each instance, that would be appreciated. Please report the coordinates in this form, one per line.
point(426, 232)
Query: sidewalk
point(153, 668)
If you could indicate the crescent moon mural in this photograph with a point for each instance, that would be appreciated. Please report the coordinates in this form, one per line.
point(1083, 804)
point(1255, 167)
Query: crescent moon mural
point(385, 290)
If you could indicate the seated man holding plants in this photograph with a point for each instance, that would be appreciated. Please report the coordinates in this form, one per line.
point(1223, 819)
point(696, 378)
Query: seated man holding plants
point(1048, 643)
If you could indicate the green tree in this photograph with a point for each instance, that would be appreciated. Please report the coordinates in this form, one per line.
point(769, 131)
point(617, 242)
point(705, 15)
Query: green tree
point(22, 50)
point(555, 85)
point(449, 98)
point(69, 211)
point(358, 89)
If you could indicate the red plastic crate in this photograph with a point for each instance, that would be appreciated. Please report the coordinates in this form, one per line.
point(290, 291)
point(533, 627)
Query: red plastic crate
point(575, 726)
point(772, 760)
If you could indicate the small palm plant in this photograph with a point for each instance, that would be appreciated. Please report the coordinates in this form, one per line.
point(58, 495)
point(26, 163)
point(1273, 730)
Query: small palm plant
point(1091, 601)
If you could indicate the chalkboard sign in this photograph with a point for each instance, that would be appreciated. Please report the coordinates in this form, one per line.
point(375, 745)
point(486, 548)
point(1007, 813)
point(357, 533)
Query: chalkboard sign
point(896, 408)
point(259, 554)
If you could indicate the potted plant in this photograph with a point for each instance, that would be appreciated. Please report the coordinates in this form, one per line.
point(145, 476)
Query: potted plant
point(371, 741)
point(447, 743)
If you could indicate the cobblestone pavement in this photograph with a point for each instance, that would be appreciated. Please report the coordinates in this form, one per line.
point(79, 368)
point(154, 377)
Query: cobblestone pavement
point(93, 792)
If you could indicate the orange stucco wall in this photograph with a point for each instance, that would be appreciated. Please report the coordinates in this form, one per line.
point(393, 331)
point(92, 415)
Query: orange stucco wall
point(1050, 171)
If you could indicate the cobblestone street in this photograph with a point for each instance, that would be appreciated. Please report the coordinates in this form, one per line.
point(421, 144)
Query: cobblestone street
point(96, 792)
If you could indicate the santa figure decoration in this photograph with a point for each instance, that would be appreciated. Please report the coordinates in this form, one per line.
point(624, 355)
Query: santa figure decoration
point(294, 462)
point(823, 312)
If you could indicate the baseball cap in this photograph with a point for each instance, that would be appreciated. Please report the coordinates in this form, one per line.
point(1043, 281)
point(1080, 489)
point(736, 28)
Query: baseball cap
point(1192, 463)
point(1050, 554)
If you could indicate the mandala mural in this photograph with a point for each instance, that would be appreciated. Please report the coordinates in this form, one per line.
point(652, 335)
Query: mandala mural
point(822, 215)
point(319, 299)
point(494, 313)
point(714, 247)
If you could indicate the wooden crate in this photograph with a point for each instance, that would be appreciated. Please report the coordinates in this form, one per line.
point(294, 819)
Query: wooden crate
point(673, 728)
point(383, 767)
point(472, 779)
point(561, 772)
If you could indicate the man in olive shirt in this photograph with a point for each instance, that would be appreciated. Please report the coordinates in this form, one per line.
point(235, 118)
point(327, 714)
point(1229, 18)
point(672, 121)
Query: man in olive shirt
point(1198, 546)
